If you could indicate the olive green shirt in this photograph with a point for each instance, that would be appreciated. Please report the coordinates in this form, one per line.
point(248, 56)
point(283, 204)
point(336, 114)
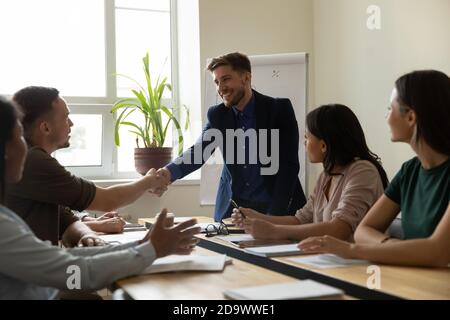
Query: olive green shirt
point(423, 197)
point(45, 195)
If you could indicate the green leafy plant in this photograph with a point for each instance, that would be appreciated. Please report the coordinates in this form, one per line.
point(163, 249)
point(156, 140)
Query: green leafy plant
point(147, 100)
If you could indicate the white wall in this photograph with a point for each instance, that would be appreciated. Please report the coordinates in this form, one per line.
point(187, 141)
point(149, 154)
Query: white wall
point(254, 27)
point(358, 67)
point(349, 64)
point(181, 199)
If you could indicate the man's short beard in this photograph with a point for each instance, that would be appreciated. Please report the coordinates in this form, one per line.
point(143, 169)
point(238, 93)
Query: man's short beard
point(239, 95)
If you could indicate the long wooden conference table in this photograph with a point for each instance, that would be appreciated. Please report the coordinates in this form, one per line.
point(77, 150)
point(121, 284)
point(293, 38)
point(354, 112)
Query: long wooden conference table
point(247, 269)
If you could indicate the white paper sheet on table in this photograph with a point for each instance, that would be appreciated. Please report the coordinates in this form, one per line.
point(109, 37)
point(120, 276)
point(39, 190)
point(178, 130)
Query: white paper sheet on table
point(235, 239)
point(275, 250)
point(125, 237)
point(188, 263)
point(327, 261)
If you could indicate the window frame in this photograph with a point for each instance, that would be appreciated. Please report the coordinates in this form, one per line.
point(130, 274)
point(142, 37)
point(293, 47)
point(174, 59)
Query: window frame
point(102, 105)
point(107, 167)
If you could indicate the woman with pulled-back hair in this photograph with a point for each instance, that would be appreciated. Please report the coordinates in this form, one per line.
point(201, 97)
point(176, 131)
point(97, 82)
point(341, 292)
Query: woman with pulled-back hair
point(419, 115)
point(352, 180)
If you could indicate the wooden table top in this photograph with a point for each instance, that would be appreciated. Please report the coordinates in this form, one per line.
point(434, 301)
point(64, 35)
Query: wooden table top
point(200, 285)
point(404, 282)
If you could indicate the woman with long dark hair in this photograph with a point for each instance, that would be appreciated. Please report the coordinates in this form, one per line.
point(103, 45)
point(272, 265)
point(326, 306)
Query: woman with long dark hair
point(33, 269)
point(8, 119)
point(419, 115)
point(352, 180)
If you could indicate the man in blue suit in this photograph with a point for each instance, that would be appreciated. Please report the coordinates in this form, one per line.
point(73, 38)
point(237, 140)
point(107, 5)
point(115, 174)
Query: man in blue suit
point(245, 111)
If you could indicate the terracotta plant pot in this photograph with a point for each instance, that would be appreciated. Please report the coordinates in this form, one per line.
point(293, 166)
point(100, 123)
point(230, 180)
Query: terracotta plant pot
point(147, 158)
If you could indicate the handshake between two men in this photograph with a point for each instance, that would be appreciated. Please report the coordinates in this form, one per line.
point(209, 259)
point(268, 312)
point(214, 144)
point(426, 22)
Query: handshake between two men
point(159, 180)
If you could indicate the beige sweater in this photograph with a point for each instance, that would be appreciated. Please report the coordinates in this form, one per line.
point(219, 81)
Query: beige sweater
point(357, 189)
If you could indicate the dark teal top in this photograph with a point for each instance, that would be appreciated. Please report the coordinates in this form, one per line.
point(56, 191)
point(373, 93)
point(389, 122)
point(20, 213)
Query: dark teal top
point(423, 196)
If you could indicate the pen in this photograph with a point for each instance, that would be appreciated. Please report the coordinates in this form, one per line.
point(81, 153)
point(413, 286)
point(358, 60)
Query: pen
point(237, 207)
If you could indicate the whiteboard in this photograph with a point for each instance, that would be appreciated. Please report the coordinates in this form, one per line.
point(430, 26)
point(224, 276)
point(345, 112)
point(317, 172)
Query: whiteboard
point(276, 75)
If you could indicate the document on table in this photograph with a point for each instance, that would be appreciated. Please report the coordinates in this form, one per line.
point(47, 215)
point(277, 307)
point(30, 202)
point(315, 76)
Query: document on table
point(125, 237)
point(275, 251)
point(305, 289)
point(191, 262)
point(236, 239)
point(327, 261)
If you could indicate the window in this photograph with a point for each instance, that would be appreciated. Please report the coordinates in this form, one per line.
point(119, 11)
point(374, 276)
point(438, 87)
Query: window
point(78, 46)
point(91, 143)
point(86, 142)
point(66, 46)
point(149, 24)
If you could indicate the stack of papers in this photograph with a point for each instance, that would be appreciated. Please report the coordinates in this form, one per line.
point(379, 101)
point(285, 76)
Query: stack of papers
point(306, 289)
point(188, 263)
point(327, 261)
point(275, 251)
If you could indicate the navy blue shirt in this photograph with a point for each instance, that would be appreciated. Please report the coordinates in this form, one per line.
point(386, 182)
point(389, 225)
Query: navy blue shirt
point(250, 186)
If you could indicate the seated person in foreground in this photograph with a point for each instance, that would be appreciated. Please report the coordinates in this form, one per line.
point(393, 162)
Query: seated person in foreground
point(34, 269)
point(47, 192)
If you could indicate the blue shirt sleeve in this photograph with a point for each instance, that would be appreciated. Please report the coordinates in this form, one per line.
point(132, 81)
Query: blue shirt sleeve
point(175, 171)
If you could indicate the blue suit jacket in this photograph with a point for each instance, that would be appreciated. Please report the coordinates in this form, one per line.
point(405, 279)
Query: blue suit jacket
point(284, 187)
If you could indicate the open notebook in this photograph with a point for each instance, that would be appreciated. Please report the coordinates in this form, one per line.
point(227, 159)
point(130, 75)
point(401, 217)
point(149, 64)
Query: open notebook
point(191, 262)
point(305, 289)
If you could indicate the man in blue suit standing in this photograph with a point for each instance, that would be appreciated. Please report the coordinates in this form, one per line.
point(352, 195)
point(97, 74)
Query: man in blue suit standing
point(243, 112)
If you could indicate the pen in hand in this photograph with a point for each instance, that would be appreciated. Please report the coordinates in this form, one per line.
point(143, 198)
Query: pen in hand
point(237, 207)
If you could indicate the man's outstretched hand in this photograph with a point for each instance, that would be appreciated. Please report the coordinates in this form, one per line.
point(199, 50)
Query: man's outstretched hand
point(177, 239)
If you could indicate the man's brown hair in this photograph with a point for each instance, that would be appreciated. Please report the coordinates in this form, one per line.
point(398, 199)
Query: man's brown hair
point(34, 102)
point(237, 61)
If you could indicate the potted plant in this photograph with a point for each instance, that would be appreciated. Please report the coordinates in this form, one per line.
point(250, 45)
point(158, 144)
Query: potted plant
point(156, 118)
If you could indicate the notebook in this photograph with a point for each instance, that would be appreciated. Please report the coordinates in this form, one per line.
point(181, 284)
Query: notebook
point(192, 262)
point(305, 289)
point(275, 251)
